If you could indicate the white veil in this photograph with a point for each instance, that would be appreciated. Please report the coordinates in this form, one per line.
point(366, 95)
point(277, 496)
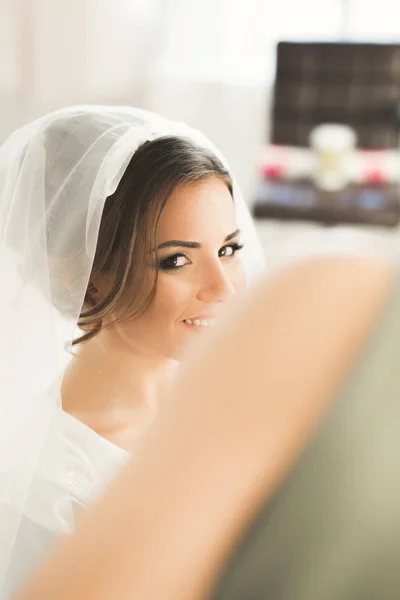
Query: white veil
point(55, 175)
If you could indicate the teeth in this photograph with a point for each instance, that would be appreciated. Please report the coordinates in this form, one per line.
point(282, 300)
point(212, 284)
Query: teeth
point(199, 322)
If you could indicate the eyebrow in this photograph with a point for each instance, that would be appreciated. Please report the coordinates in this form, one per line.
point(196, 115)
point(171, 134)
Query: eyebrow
point(183, 244)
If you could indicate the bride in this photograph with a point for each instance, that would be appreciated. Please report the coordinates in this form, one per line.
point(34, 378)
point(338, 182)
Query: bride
point(123, 238)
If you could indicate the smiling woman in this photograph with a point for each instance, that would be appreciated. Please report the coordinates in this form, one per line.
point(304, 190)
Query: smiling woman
point(204, 272)
point(152, 285)
point(120, 239)
point(178, 196)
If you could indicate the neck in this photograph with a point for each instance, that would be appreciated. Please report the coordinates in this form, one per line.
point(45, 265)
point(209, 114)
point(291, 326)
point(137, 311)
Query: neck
point(110, 386)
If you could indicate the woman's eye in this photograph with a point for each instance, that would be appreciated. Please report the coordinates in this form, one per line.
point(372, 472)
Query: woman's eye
point(230, 249)
point(174, 262)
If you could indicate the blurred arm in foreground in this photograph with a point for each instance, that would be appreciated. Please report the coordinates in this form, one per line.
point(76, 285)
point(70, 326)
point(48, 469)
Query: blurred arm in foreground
point(245, 405)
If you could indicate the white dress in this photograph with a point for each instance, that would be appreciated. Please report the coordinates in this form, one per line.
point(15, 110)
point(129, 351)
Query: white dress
point(89, 462)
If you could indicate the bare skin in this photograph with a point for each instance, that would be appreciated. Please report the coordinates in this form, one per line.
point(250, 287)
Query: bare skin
point(114, 383)
point(243, 407)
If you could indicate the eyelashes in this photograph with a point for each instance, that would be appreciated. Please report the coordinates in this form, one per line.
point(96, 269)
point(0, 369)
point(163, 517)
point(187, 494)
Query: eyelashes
point(181, 260)
point(235, 247)
point(172, 263)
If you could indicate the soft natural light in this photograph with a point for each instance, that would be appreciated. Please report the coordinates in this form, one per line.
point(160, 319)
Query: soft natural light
point(374, 20)
point(234, 41)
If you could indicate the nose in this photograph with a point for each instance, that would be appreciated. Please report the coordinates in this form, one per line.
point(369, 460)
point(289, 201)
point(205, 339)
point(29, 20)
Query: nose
point(215, 285)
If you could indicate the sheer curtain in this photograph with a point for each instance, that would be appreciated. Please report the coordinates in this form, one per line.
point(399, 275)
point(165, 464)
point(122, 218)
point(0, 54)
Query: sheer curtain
point(210, 63)
point(233, 41)
point(216, 65)
point(54, 53)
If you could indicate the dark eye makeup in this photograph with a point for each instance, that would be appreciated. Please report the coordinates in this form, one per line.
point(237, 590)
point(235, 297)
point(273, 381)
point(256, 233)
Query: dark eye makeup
point(179, 260)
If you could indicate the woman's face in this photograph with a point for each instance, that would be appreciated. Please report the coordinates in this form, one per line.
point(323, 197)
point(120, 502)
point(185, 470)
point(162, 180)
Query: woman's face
point(199, 269)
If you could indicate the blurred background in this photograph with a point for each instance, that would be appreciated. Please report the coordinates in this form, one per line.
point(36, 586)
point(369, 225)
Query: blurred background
point(210, 63)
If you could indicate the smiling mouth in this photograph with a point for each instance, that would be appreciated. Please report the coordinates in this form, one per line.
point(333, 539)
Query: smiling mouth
point(199, 323)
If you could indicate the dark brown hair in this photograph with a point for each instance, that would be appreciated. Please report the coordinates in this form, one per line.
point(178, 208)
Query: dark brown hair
point(130, 219)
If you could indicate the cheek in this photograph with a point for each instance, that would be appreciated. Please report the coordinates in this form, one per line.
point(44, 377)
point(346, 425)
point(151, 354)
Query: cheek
point(238, 277)
point(173, 296)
